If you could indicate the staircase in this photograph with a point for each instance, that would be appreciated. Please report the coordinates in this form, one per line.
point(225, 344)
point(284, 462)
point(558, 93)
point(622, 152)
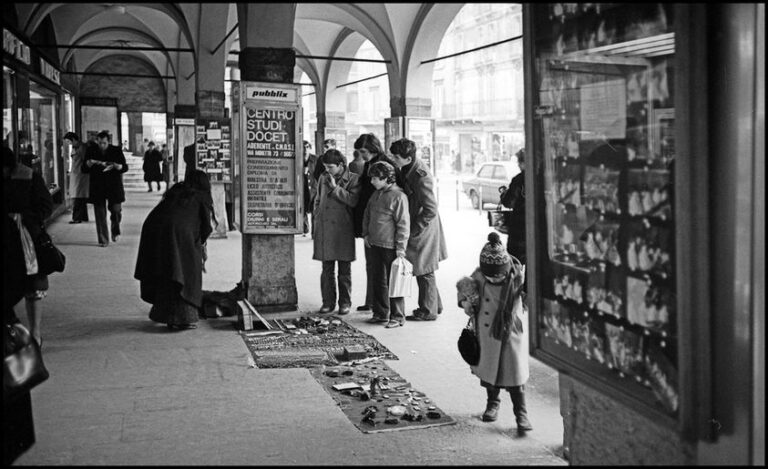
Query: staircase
point(134, 177)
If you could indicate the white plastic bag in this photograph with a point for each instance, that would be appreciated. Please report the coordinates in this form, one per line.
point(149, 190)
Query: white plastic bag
point(400, 278)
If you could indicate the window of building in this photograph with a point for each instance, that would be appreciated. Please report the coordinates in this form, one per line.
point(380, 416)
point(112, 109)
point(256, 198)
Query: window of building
point(41, 150)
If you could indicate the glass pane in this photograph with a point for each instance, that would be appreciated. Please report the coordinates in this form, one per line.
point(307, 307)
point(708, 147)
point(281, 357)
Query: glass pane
point(44, 149)
point(8, 84)
point(500, 173)
point(604, 154)
point(486, 171)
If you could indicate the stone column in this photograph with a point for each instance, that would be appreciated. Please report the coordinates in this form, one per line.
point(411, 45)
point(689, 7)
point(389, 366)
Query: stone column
point(269, 260)
point(134, 129)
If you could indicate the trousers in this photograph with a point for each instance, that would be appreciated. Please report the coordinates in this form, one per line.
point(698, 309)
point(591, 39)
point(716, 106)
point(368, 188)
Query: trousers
point(384, 307)
point(100, 213)
point(79, 209)
point(430, 303)
point(328, 283)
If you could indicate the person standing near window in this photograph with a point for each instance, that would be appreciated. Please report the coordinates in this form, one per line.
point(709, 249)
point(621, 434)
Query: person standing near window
point(106, 164)
point(79, 183)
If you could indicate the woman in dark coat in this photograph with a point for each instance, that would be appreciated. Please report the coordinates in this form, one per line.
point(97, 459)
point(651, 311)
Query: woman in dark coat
point(18, 426)
point(153, 171)
point(170, 260)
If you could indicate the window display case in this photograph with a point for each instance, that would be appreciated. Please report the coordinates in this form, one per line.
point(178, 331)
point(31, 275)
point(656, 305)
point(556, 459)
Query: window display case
point(607, 223)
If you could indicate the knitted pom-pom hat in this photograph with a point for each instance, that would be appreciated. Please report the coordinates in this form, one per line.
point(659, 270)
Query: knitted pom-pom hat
point(494, 259)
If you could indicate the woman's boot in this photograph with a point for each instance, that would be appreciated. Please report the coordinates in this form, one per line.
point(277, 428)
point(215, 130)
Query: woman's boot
point(518, 404)
point(492, 406)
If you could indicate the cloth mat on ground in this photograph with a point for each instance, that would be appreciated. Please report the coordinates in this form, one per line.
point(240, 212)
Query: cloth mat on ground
point(310, 341)
point(394, 405)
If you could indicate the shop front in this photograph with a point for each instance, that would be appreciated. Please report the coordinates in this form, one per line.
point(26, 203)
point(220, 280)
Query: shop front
point(35, 107)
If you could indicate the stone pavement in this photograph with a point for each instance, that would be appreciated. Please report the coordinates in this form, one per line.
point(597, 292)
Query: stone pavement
point(125, 391)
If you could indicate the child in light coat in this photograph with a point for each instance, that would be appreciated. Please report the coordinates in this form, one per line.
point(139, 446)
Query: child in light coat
point(501, 326)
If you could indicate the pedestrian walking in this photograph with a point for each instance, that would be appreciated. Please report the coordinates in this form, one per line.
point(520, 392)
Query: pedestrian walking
point(28, 203)
point(501, 325)
point(334, 238)
point(166, 169)
point(106, 164)
point(152, 166)
point(386, 228)
point(426, 245)
point(79, 183)
point(310, 184)
point(169, 265)
point(370, 150)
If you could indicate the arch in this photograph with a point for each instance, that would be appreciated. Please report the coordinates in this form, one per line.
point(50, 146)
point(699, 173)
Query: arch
point(423, 43)
point(92, 37)
point(172, 10)
point(134, 94)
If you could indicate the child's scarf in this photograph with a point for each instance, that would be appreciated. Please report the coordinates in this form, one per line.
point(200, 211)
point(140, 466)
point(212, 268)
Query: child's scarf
point(505, 321)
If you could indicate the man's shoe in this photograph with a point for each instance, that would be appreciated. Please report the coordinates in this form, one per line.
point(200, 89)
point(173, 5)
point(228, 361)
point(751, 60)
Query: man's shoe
point(375, 320)
point(420, 317)
point(325, 309)
point(393, 323)
point(364, 308)
point(115, 238)
point(103, 245)
point(343, 310)
point(74, 222)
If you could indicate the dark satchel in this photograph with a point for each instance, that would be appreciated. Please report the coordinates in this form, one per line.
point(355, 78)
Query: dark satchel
point(23, 366)
point(469, 346)
point(49, 258)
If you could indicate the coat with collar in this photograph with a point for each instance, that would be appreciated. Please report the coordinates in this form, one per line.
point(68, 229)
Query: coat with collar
point(367, 189)
point(333, 235)
point(426, 245)
point(105, 185)
point(79, 183)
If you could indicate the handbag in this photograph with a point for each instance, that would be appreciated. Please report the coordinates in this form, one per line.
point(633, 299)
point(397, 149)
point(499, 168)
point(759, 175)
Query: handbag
point(23, 366)
point(400, 278)
point(469, 345)
point(49, 258)
point(497, 219)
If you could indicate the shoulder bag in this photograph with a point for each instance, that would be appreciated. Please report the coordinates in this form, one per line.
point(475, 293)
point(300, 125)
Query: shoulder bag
point(469, 345)
point(23, 366)
point(49, 258)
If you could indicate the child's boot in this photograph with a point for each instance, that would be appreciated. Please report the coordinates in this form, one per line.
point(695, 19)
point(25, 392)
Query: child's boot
point(492, 406)
point(521, 414)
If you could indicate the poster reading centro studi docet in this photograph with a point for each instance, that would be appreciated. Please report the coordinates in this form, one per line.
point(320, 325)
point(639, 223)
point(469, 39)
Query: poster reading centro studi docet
point(271, 172)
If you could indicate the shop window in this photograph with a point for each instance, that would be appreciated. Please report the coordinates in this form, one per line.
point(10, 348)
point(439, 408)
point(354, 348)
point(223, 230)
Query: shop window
point(42, 151)
point(8, 86)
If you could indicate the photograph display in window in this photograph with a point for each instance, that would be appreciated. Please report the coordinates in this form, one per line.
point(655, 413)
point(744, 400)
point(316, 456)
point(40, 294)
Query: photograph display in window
point(604, 147)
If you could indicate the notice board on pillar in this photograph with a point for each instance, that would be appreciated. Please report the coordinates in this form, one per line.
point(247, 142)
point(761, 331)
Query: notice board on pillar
point(214, 139)
point(272, 162)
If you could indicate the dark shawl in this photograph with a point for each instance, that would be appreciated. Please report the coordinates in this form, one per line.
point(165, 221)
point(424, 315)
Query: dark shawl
point(171, 241)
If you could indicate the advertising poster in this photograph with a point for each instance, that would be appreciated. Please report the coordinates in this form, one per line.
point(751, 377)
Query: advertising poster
point(271, 136)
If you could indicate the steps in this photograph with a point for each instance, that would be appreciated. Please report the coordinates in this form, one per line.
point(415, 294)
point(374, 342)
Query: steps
point(134, 177)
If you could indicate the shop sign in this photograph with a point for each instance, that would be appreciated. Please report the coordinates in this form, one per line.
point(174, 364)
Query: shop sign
point(50, 72)
point(12, 45)
point(184, 121)
point(271, 164)
point(271, 93)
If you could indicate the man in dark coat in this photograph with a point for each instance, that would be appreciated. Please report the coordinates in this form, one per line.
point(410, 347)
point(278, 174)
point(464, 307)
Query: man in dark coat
point(190, 157)
point(152, 166)
point(426, 245)
point(514, 198)
point(106, 165)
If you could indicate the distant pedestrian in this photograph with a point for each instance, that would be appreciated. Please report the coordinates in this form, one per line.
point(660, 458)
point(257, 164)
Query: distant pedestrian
point(79, 183)
point(386, 228)
point(426, 245)
point(106, 164)
point(152, 166)
point(166, 154)
point(514, 198)
point(334, 238)
point(310, 183)
point(501, 324)
point(370, 150)
point(357, 164)
point(170, 260)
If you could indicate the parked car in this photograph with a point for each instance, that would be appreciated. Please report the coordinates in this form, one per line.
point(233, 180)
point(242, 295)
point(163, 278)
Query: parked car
point(486, 182)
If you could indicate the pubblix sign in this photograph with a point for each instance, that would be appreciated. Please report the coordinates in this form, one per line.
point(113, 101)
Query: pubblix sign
point(272, 162)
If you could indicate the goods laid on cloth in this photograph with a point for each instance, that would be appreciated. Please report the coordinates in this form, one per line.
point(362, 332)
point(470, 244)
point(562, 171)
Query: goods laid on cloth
point(310, 341)
point(377, 399)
